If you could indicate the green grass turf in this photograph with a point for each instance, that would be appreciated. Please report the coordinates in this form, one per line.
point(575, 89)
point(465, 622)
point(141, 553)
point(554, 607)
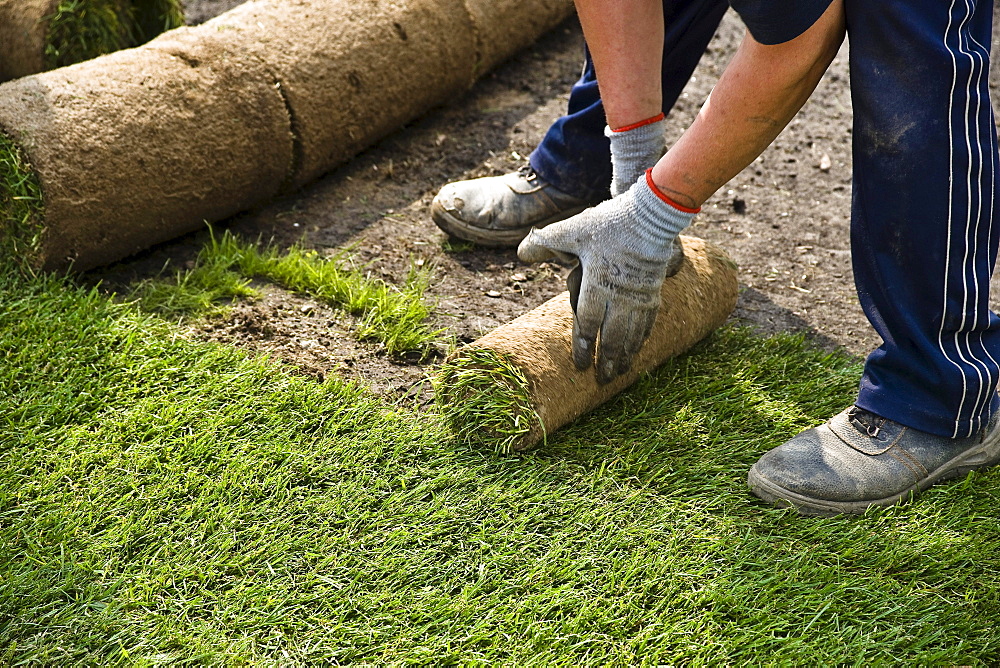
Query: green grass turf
point(79, 30)
point(166, 501)
point(153, 17)
point(486, 401)
point(21, 206)
point(394, 316)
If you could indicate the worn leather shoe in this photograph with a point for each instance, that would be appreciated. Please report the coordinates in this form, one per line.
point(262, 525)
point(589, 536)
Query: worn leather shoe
point(858, 460)
point(499, 211)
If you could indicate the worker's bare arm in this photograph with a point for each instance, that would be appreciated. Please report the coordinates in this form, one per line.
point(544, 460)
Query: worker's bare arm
point(758, 94)
point(625, 38)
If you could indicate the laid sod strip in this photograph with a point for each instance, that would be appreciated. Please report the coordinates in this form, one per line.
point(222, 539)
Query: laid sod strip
point(165, 501)
point(44, 34)
point(21, 208)
point(206, 289)
point(79, 30)
point(395, 316)
point(486, 401)
point(519, 382)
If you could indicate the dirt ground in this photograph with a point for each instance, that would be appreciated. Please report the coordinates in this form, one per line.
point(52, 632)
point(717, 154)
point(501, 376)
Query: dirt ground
point(784, 220)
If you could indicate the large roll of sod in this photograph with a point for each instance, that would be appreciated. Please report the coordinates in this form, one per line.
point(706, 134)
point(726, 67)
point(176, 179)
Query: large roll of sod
point(38, 35)
point(511, 388)
point(351, 71)
point(504, 27)
point(134, 148)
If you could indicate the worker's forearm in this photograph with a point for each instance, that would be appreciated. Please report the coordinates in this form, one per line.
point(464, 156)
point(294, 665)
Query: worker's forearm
point(625, 38)
point(758, 94)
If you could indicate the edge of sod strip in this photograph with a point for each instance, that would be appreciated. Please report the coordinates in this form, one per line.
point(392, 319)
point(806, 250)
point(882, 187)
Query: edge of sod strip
point(21, 206)
point(486, 401)
point(83, 29)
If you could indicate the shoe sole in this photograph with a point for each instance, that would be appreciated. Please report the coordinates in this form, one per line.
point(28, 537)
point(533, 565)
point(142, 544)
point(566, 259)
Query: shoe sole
point(460, 229)
point(980, 457)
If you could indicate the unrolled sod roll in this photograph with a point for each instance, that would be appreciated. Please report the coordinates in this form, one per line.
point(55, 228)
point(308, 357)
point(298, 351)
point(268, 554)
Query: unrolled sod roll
point(201, 123)
point(517, 384)
point(38, 35)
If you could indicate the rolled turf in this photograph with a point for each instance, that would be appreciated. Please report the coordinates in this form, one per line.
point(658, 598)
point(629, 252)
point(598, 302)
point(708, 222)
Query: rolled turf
point(135, 148)
point(511, 388)
point(350, 71)
point(201, 123)
point(38, 35)
point(504, 27)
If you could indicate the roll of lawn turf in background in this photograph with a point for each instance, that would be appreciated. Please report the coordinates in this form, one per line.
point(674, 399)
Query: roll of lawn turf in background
point(504, 27)
point(351, 72)
point(121, 152)
point(39, 35)
point(509, 389)
point(102, 159)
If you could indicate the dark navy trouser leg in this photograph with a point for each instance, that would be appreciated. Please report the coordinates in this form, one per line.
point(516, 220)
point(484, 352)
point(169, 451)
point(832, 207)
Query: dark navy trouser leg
point(924, 240)
point(574, 155)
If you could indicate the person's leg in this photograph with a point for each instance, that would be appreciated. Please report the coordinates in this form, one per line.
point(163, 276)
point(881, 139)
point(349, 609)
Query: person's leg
point(924, 244)
point(924, 238)
point(574, 156)
point(571, 167)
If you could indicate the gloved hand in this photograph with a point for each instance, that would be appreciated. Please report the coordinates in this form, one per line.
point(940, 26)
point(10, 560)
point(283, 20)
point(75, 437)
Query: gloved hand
point(623, 249)
point(634, 149)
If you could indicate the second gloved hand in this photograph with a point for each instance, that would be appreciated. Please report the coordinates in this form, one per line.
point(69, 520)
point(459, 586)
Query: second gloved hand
point(624, 248)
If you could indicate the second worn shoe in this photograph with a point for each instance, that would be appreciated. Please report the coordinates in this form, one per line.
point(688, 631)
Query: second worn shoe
point(499, 211)
point(858, 460)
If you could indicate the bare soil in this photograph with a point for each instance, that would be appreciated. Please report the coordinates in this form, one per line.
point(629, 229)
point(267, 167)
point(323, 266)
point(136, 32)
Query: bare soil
point(784, 220)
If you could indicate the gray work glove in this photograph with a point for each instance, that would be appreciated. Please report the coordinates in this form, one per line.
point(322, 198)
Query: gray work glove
point(634, 149)
point(623, 249)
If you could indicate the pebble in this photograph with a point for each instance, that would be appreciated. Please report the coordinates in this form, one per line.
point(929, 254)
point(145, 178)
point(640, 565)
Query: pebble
point(493, 293)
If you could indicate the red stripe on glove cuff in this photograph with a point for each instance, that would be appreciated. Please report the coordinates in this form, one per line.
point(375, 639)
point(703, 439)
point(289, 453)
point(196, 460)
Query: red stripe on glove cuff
point(664, 197)
point(659, 117)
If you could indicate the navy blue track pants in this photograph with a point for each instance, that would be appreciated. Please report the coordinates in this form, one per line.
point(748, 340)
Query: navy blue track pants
point(923, 237)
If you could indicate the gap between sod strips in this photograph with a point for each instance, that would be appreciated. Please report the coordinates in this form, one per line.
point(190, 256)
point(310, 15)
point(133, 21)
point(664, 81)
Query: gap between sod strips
point(394, 316)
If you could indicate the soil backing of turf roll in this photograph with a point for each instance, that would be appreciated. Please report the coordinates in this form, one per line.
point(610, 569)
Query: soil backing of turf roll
point(504, 27)
point(511, 388)
point(140, 146)
point(351, 71)
point(38, 35)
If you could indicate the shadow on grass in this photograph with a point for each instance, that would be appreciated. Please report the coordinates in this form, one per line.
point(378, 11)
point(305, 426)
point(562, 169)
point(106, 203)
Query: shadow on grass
point(713, 410)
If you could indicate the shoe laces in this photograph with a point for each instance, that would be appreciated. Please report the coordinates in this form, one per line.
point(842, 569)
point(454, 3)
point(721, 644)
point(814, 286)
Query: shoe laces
point(870, 422)
point(527, 172)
